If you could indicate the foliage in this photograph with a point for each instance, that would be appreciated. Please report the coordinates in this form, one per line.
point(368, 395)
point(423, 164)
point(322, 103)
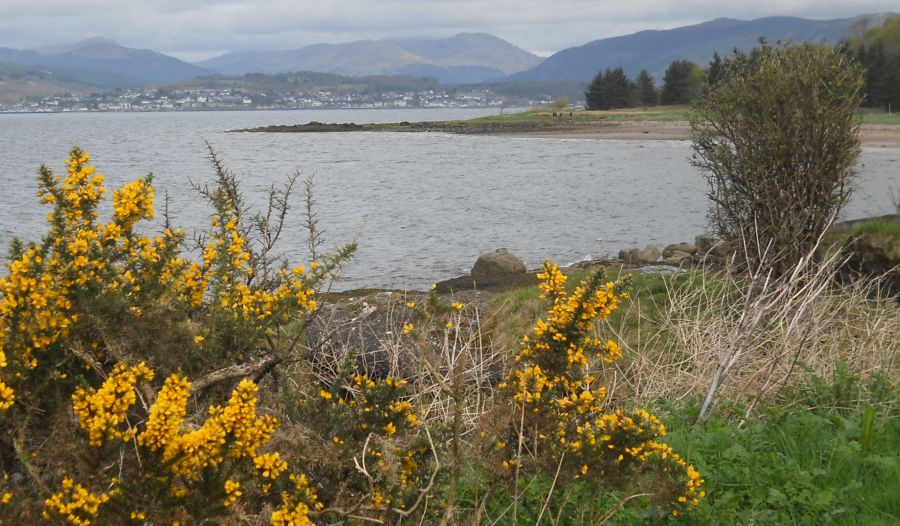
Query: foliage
point(609, 89)
point(681, 83)
point(878, 51)
point(882, 73)
point(94, 297)
point(557, 408)
point(645, 87)
point(827, 453)
point(373, 456)
point(777, 139)
point(715, 71)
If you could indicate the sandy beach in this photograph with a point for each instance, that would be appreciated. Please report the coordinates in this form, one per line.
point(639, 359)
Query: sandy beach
point(870, 134)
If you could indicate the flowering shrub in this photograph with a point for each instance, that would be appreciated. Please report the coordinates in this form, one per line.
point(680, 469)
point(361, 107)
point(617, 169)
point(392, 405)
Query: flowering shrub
point(558, 401)
point(117, 348)
point(93, 297)
point(377, 458)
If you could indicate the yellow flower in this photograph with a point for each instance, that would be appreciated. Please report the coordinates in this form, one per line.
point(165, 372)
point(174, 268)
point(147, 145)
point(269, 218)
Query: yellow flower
point(100, 412)
point(270, 465)
point(232, 492)
point(408, 328)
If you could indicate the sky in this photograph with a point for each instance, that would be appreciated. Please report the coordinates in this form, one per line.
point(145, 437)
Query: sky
point(198, 29)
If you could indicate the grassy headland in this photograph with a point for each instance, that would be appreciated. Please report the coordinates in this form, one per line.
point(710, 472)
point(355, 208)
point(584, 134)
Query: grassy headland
point(656, 123)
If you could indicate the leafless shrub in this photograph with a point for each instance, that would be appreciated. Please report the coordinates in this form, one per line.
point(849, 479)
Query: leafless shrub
point(743, 337)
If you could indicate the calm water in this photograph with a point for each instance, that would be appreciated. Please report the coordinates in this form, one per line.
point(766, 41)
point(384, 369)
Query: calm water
point(422, 206)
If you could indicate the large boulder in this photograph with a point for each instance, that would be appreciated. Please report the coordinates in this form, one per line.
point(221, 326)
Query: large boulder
point(636, 256)
point(678, 258)
point(497, 265)
point(685, 248)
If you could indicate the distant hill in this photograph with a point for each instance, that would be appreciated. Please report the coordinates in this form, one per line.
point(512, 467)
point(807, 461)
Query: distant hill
point(259, 83)
point(464, 58)
point(18, 83)
point(105, 64)
point(654, 50)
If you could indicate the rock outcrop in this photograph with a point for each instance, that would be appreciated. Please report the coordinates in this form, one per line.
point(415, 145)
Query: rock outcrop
point(497, 264)
point(636, 256)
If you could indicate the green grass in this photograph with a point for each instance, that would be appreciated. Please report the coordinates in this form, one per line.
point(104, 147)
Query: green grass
point(654, 114)
point(881, 118)
point(877, 227)
point(514, 312)
point(819, 457)
point(544, 115)
point(828, 454)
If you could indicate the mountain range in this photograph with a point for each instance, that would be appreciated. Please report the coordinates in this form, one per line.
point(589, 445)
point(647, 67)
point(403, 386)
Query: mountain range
point(462, 59)
point(654, 50)
point(102, 63)
point(98, 64)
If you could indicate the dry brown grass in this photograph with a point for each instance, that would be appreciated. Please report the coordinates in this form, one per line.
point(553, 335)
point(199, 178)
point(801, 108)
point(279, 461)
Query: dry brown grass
point(752, 335)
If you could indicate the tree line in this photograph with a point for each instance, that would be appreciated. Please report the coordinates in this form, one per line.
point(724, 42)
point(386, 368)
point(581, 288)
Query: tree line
point(882, 74)
point(611, 88)
point(684, 80)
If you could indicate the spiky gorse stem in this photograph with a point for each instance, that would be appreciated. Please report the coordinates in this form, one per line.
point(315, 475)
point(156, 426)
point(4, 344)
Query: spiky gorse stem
point(554, 386)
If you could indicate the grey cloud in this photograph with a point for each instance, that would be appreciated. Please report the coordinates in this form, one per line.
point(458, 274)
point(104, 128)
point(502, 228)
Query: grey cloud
point(201, 28)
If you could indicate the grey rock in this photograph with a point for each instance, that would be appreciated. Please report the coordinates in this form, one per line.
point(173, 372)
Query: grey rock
point(636, 256)
point(498, 263)
point(686, 248)
point(628, 255)
point(678, 258)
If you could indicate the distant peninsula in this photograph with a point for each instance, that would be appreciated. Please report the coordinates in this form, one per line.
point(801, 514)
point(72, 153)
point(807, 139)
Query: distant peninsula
point(661, 123)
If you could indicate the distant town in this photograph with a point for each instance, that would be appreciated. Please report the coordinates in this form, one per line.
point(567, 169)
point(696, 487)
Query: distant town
point(159, 99)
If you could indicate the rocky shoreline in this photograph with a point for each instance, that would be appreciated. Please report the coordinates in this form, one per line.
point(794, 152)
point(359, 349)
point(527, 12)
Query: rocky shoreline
point(499, 270)
point(370, 319)
point(563, 125)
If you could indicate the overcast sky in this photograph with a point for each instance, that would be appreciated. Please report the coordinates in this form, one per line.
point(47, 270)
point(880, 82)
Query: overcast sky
point(198, 29)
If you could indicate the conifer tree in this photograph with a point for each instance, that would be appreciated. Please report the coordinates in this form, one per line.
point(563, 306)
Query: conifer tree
point(715, 71)
point(646, 89)
point(595, 96)
point(619, 88)
point(681, 83)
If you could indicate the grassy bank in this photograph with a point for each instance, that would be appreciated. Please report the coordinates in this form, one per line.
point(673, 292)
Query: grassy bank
point(892, 119)
point(824, 449)
point(540, 115)
point(663, 122)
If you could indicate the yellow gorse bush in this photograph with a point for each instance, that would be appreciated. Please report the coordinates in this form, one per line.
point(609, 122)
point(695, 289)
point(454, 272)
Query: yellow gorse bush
point(74, 305)
point(231, 432)
point(101, 412)
point(96, 312)
point(554, 387)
